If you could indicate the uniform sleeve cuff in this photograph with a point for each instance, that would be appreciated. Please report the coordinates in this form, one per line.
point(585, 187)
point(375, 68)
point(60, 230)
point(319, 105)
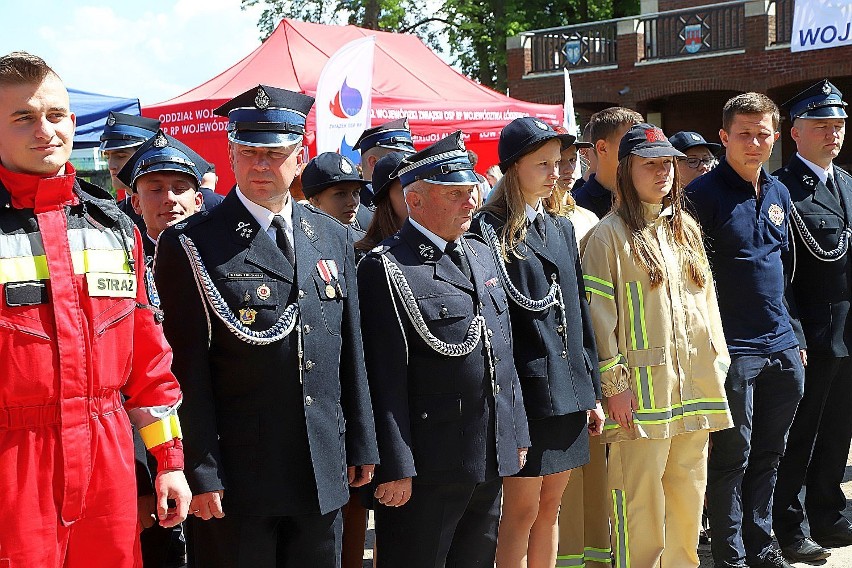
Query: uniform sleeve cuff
point(169, 455)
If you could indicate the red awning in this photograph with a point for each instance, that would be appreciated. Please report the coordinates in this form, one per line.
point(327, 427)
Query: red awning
point(409, 80)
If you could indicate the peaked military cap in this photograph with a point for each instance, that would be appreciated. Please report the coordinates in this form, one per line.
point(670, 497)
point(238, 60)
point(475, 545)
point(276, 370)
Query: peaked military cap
point(684, 140)
point(394, 135)
point(444, 163)
point(162, 153)
point(822, 100)
point(266, 116)
point(520, 136)
point(326, 170)
point(127, 130)
point(384, 174)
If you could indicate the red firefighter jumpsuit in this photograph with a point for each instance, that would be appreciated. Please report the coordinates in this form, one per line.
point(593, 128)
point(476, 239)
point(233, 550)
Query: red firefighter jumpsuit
point(76, 332)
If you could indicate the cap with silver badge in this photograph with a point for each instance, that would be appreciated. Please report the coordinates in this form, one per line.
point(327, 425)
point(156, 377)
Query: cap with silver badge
point(127, 131)
point(266, 116)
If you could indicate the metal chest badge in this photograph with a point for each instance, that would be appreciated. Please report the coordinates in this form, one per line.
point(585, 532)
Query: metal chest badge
point(263, 292)
point(327, 270)
point(776, 214)
point(247, 316)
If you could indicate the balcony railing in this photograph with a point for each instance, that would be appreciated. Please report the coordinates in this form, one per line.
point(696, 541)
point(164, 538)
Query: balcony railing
point(715, 28)
point(705, 29)
point(573, 47)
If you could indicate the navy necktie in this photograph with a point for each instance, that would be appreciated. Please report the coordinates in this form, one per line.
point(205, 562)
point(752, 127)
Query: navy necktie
point(456, 254)
point(283, 241)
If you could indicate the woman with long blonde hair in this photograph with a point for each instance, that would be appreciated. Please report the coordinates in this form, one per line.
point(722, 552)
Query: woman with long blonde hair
point(537, 257)
point(663, 356)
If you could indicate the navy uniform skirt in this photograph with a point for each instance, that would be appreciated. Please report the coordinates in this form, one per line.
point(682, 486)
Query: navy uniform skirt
point(559, 443)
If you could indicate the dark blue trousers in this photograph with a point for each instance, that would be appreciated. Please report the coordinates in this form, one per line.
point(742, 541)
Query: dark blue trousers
point(242, 541)
point(443, 525)
point(817, 450)
point(763, 392)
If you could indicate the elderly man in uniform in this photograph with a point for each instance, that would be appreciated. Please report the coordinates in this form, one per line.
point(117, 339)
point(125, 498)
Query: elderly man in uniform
point(83, 353)
point(818, 444)
point(268, 350)
point(450, 418)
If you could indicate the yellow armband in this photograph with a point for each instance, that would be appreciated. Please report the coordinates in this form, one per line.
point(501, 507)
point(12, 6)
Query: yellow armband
point(161, 431)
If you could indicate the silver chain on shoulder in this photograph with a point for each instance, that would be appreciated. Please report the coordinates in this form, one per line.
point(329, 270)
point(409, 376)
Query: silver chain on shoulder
point(552, 298)
point(813, 246)
point(475, 331)
point(282, 328)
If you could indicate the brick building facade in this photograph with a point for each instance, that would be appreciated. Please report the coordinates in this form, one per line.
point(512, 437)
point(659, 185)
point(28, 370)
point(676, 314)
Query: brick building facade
point(647, 63)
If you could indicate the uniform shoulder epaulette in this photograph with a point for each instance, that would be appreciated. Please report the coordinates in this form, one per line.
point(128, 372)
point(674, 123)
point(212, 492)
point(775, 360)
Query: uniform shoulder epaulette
point(322, 213)
point(474, 237)
point(842, 173)
point(191, 221)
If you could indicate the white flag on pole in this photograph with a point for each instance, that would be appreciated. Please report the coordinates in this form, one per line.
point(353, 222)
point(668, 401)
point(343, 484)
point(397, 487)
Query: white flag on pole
point(570, 121)
point(343, 97)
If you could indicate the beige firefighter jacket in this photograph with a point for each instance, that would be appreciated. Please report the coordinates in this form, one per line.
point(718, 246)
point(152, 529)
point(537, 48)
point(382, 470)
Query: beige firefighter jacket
point(664, 343)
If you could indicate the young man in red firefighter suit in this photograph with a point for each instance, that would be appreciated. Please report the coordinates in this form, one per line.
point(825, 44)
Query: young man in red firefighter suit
point(78, 329)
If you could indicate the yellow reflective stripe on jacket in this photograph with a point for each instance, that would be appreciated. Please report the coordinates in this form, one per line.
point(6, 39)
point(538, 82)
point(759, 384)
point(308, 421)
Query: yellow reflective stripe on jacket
point(676, 412)
point(161, 431)
point(639, 340)
point(25, 268)
point(620, 541)
point(22, 255)
point(599, 286)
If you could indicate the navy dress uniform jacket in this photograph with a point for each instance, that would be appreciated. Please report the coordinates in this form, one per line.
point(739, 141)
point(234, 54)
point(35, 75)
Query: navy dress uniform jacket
point(276, 446)
point(555, 381)
point(433, 413)
point(821, 289)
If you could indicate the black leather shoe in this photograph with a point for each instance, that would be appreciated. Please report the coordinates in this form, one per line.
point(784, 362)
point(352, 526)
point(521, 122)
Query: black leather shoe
point(773, 559)
point(805, 550)
point(836, 539)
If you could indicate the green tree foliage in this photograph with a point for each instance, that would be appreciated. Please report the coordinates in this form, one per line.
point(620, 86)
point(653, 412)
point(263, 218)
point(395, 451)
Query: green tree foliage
point(475, 30)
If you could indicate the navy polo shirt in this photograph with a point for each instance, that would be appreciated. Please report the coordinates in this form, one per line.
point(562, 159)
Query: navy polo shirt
point(594, 197)
point(745, 236)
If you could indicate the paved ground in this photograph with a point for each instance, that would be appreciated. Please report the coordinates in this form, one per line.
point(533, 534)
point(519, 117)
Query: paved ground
point(840, 557)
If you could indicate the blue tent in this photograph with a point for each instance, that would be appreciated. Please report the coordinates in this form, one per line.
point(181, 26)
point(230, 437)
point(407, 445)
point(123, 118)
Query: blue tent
point(92, 111)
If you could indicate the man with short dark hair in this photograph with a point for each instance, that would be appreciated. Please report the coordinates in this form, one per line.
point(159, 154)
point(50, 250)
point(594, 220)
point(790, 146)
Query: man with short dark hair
point(818, 446)
point(606, 129)
point(83, 352)
point(744, 214)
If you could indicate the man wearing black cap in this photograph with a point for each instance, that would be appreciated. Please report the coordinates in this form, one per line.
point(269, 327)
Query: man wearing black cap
point(268, 349)
point(122, 135)
point(700, 155)
point(818, 445)
point(164, 176)
point(379, 141)
point(450, 418)
point(331, 183)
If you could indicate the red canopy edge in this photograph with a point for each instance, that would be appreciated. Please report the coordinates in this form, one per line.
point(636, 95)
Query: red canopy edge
point(409, 80)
